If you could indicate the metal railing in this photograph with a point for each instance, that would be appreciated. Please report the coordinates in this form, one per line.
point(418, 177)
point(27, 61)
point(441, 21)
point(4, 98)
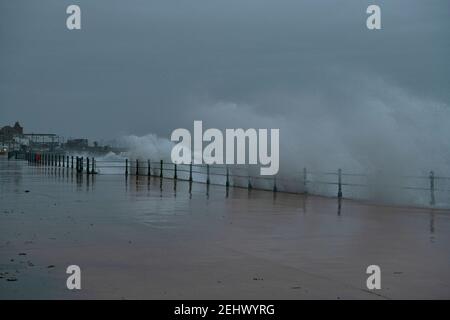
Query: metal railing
point(336, 183)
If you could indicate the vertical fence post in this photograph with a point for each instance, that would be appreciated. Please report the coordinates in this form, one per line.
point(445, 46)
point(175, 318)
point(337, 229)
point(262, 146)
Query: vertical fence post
point(126, 167)
point(87, 166)
point(207, 174)
point(432, 200)
point(64, 161)
point(67, 162)
point(72, 162)
point(137, 167)
point(81, 164)
point(148, 168)
point(339, 183)
point(305, 180)
point(161, 169)
point(175, 171)
point(227, 182)
point(190, 171)
point(93, 166)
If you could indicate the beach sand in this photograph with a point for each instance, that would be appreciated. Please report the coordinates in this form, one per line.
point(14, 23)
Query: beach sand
point(139, 239)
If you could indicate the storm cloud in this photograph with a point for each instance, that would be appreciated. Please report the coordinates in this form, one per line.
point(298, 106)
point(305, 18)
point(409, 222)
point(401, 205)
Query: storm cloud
point(310, 68)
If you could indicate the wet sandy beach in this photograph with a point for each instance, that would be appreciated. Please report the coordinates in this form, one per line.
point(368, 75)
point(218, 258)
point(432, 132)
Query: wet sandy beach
point(147, 239)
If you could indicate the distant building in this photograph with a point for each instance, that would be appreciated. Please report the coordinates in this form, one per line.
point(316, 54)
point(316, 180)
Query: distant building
point(78, 144)
point(9, 133)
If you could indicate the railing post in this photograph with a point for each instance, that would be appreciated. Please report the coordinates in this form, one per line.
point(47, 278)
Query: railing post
point(72, 162)
point(207, 174)
point(190, 171)
point(175, 171)
point(339, 183)
point(227, 182)
point(93, 166)
point(67, 161)
point(148, 168)
point(161, 169)
point(87, 166)
point(305, 180)
point(64, 161)
point(432, 200)
point(81, 164)
point(126, 167)
point(137, 167)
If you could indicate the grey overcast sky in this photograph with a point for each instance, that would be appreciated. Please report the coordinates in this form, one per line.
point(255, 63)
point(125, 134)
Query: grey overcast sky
point(150, 66)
